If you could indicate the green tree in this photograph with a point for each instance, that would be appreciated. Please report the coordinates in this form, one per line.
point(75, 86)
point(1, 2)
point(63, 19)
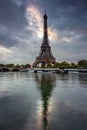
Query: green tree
point(1, 65)
point(73, 65)
point(64, 64)
point(10, 65)
point(57, 65)
point(42, 65)
point(49, 65)
point(27, 66)
point(82, 63)
point(17, 66)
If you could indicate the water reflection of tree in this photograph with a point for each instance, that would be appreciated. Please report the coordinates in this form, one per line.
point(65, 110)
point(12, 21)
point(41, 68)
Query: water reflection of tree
point(46, 84)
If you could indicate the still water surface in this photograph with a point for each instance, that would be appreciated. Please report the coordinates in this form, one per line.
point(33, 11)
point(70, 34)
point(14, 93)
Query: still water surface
point(43, 101)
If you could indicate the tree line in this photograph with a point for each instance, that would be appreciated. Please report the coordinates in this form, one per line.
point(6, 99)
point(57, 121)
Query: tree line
point(61, 65)
point(15, 66)
point(64, 64)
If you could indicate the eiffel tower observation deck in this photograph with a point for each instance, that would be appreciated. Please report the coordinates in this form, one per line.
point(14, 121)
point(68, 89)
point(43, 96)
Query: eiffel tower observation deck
point(45, 57)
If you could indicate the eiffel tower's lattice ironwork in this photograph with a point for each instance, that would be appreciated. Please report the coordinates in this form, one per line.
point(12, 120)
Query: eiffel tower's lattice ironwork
point(45, 57)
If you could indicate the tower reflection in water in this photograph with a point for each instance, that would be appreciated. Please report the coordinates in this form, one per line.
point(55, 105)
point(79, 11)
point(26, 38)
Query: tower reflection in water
point(46, 83)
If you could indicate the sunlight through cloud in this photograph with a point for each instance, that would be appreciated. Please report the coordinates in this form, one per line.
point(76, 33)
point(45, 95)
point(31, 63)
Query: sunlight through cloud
point(35, 21)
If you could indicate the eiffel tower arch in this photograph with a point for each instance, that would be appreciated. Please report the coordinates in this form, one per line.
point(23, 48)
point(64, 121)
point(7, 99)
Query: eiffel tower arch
point(45, 57)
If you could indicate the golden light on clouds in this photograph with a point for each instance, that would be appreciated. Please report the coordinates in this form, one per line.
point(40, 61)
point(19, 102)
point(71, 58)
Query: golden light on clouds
point(52, 34)
point(35, 19)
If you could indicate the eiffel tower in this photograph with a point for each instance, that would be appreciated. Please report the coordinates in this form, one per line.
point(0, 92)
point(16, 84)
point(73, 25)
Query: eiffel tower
point(45, 57)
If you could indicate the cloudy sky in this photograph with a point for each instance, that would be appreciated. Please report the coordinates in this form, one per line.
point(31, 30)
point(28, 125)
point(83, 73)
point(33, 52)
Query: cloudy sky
point(21, 29)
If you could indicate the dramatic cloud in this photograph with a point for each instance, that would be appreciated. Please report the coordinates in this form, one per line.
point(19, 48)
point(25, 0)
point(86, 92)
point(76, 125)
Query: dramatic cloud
point(11, 15)
point(21, 29)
